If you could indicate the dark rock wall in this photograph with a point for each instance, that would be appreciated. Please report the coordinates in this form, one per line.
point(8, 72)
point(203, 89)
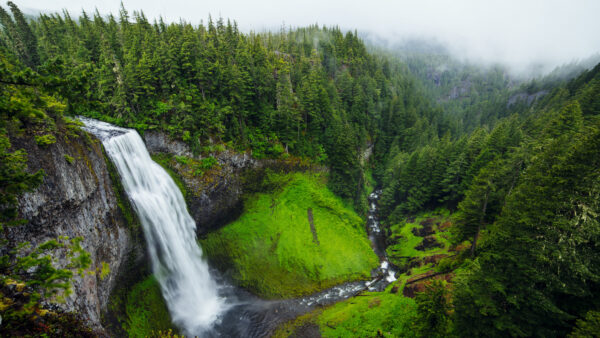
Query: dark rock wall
point(215, 198)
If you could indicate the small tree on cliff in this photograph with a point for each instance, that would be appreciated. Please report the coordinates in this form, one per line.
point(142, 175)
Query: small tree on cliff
point(433, 310)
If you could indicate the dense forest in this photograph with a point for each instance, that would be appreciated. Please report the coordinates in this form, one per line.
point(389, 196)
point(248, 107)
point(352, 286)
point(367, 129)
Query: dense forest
point(516, 163)
point(312, 92)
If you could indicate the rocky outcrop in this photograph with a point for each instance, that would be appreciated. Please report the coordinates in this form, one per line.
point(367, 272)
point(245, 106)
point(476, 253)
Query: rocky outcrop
point(525, 98)
point(76, 199)
point(214, 198)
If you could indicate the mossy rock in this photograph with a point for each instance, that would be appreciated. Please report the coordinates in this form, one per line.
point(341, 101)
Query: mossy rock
point(272, 250)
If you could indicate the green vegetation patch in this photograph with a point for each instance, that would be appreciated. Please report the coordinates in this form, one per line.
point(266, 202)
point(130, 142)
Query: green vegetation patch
point(273, 250)
point(69, 158)
point(405, 240)
point(45, 140)
point(373, 314)
point(146, 311)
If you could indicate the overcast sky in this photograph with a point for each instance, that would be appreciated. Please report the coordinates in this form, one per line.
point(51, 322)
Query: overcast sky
point(513, 32)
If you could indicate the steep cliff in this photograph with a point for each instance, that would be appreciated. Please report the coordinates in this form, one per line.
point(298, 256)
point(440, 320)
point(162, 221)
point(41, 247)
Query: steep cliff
point(214, 197)
point(77, 199)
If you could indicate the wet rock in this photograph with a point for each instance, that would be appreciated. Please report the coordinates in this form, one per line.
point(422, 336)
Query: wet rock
point(215, 197)
point(424, 230)
point(309, 330)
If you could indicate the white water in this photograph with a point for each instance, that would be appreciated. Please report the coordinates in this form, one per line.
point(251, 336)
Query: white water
point(188, 289)
point(374, 235)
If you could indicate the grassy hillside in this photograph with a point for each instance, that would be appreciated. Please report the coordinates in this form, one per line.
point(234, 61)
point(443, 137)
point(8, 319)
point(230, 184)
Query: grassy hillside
point(273, 251)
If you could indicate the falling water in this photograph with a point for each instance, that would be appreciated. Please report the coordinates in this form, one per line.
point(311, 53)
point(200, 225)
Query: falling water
point(189, 291)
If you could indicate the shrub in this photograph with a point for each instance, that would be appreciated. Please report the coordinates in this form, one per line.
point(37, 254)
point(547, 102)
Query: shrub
point(45, 140)
point(69, 159)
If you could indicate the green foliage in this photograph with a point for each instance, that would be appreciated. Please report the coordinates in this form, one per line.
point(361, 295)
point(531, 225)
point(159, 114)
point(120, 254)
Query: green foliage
point(182, 159)
point(433, 311)
point(146, 311)
point(21, 39)
point(69, 158)
point(45, 140)
point(541, 250)
point(273, 238)
point(373, 314)
point(587, 327)
point(196, 167)
point(104, 270)
point(274, 94)
point(34, 270)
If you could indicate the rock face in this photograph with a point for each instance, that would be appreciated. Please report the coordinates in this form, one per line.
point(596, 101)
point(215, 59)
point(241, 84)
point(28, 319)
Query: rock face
point(76, 199)
point(215, 198)
point(526, 98)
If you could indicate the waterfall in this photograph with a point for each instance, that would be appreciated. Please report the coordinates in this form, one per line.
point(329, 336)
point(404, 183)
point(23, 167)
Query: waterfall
point(187, 287)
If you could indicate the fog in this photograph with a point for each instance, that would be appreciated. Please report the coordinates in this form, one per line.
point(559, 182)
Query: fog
point(516, 33)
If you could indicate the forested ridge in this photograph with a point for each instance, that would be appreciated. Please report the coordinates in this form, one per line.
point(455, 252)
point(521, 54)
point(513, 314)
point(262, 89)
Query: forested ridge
point(314, 92)
point(526, 201)
point(520, 178)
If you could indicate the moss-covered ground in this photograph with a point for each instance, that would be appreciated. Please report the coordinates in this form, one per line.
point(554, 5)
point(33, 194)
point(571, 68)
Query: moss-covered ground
point(272, 250)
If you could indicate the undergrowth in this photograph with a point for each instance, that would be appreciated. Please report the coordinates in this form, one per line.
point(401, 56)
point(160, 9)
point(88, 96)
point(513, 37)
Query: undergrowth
point(146, 311)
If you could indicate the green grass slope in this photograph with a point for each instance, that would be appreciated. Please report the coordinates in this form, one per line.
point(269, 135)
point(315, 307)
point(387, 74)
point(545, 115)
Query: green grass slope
point(272, 251)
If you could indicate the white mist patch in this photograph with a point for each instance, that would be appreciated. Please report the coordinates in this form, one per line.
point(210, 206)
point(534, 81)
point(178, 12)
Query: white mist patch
point(189, 291)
